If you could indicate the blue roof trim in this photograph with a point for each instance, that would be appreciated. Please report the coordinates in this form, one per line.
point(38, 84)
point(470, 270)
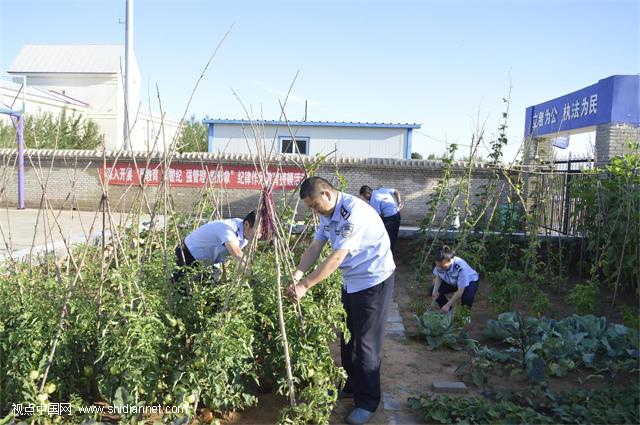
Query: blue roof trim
point(313, 123)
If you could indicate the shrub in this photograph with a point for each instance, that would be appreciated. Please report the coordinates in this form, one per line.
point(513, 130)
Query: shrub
point(584, 297)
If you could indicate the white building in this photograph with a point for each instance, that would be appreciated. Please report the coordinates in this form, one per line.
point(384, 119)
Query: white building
point(347, 139)
point(14, 96)
point(91, 75)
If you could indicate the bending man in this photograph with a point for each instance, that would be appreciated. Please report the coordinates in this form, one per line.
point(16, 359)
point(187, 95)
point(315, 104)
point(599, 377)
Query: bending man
point(360, 248)
point(212, 242)
point(387, 203)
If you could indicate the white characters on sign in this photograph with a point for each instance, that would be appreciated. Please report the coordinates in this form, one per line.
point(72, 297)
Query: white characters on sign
point(578, 109)
point(566, 112)
point(593, 104)
point(584, 110)
point(575, 110)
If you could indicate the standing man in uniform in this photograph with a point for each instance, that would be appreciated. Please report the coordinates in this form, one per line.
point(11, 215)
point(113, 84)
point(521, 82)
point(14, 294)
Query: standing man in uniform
point(212, 242)
point(360, 248)
point(387, 203)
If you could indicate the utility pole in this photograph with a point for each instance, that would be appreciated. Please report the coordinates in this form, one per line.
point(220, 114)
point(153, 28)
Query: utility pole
point(128, 55)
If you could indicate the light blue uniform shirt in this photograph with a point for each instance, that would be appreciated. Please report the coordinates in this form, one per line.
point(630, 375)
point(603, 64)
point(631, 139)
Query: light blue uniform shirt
point(356, 227)
point(383, 201)
point(460, 273)
point(206, 243)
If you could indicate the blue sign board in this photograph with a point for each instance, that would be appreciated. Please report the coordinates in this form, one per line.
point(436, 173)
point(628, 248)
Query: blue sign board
point(561, 142)
point(613, 99)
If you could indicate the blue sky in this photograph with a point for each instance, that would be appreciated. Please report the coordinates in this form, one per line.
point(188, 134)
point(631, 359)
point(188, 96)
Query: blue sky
point(444, 64)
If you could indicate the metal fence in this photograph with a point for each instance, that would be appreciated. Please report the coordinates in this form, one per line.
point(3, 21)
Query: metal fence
point(570, 164)
point(557, 209)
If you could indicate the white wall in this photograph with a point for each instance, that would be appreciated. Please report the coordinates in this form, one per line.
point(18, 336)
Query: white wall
point(349, 141)
point(37, 103)
point(105, 95)
point(100, 91)
point(150, 130)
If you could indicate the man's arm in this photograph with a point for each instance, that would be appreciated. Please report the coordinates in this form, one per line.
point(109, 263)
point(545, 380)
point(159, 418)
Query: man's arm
point(311, 254)
point(436, 285)
point(396, 195)
point(236, 253)
point(463, 279)
point(454, 299)
point(324, 270)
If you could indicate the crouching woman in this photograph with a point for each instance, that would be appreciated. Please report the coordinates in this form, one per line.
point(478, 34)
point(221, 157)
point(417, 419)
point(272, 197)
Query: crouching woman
point(453, 276)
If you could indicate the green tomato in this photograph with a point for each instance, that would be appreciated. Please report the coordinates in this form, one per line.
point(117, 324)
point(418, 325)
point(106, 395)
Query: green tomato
point(114, 370)
point(33, 375)
point(191, 399)
point(50, 388)
point(87, 371)
point(310, 373)
point(168, 400)
point(42, 397)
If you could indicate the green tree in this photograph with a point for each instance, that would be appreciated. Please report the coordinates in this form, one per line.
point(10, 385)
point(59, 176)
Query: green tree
point(45, 131)
point(193, 136)
point(416, 155)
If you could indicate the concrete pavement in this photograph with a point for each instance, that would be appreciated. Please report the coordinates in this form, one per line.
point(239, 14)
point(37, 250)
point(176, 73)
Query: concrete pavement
point(37, 232)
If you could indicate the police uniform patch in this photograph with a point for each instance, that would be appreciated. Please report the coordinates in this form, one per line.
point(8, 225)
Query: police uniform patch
point(344, 212)
point(347, 230)
point(457, 267)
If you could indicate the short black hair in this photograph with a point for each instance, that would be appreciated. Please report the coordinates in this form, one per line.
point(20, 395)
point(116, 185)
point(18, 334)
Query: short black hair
point(365, 189)
point(250, 218)
point(445, 253)
point(311, 186)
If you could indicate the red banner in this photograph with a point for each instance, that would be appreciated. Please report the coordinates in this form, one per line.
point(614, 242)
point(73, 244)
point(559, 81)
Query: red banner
point(193, 175)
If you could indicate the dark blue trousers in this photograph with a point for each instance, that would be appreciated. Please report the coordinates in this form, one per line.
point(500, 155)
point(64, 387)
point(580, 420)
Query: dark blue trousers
point(467, 296)
point(392, 224)
point(362, 355)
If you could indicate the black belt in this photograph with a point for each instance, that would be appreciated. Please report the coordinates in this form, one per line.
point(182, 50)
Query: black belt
point(390, 216)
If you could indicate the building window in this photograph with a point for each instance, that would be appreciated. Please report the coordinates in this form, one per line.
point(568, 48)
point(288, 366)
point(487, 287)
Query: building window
point(299, 146)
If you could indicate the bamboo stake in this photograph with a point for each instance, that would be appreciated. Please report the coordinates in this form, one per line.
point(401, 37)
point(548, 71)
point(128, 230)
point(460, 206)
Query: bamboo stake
point(283, 330)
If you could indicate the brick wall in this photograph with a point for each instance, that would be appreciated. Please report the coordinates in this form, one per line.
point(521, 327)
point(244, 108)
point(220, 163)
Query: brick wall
point(613, 140)
point(72, 179)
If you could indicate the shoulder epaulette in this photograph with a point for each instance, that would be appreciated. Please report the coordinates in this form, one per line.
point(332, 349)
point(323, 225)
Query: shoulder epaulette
point(344, 212)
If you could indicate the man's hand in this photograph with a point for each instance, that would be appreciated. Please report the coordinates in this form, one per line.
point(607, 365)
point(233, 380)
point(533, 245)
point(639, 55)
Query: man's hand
point(296, 291)
point(445, 308)
point(400, 205)
point(434, 293)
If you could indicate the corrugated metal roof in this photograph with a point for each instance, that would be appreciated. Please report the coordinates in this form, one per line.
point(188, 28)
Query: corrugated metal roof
point(86, 58)
point(314, 123)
